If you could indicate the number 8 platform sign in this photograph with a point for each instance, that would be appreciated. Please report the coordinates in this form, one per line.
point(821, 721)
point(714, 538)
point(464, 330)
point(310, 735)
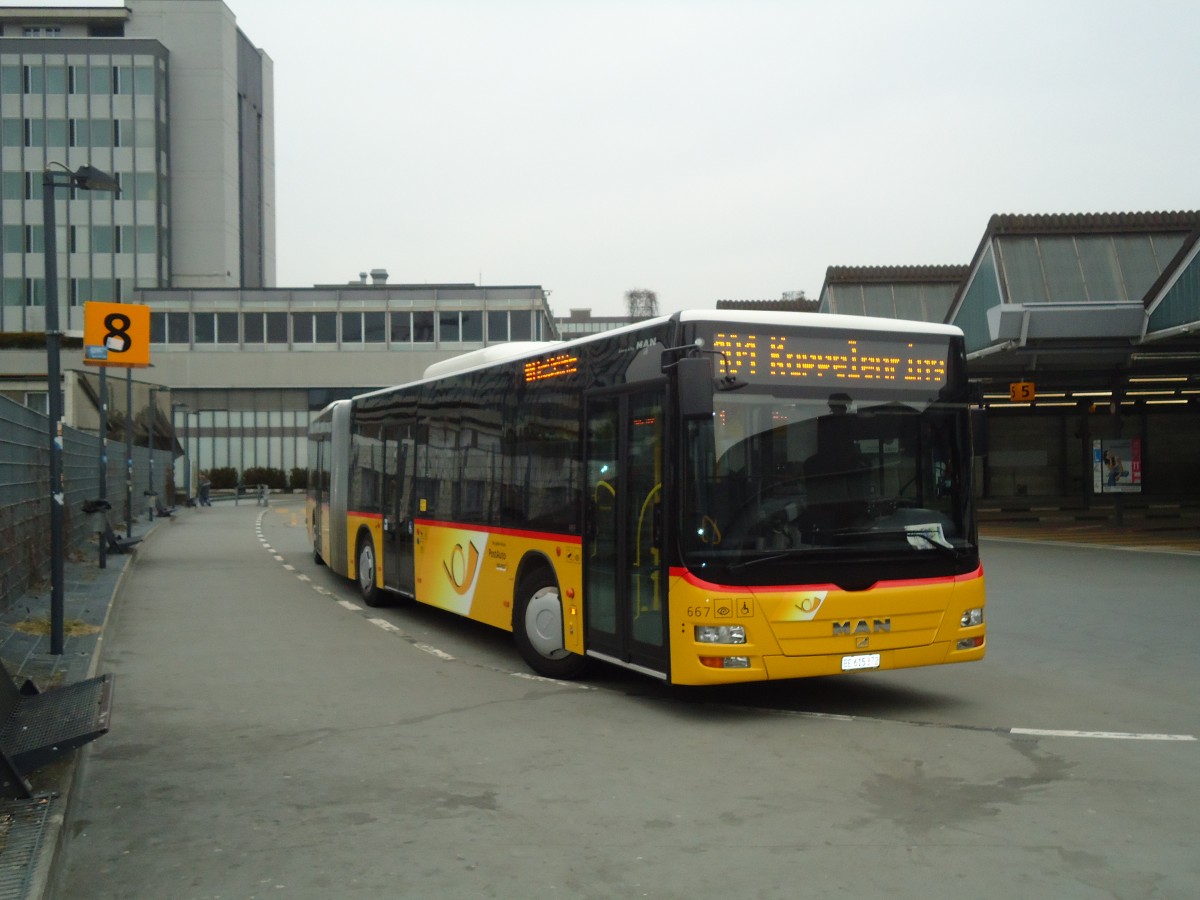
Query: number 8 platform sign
point(116, 334)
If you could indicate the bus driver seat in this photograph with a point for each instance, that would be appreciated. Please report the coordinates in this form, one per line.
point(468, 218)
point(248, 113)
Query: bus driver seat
point(837, 476)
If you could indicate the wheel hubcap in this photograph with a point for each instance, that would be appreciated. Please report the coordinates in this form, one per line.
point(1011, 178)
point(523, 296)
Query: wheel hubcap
point(543, 624)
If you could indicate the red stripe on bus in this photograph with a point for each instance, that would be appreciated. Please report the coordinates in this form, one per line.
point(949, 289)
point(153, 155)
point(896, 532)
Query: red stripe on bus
point(686, 575)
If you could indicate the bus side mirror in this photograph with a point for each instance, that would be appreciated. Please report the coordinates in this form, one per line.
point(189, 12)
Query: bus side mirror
point(694, 382)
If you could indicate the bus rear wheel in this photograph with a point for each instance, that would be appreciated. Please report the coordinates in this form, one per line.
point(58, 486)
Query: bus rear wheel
point(367, 564)
point(538, 628)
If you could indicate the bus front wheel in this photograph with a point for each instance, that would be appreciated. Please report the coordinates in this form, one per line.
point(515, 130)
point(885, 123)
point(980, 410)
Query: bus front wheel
point(371, 594)
point(538, 628)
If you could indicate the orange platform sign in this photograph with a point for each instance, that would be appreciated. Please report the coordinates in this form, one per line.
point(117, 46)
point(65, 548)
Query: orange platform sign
point(116, 334)
point(1022, 392)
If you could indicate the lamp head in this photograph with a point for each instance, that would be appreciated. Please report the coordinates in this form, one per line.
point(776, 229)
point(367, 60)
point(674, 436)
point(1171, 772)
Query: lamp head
point(89, 178)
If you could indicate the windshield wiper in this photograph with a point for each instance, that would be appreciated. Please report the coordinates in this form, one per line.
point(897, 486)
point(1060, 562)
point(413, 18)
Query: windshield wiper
point(920, 537)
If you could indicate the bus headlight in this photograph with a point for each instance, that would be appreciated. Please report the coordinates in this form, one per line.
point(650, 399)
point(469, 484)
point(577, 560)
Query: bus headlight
point(972, 617)
point(720, 634)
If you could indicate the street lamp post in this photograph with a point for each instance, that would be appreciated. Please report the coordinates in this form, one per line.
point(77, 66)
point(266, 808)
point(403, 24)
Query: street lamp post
point(89, 179)
point(187, 458)
point(129, 453)
point(151, 496)
point(102, 540)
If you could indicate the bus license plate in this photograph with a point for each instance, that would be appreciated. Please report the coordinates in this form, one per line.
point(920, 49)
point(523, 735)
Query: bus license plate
point(861, 661)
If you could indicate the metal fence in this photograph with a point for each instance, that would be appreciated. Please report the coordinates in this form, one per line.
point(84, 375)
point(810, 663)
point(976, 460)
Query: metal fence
point(25, 493)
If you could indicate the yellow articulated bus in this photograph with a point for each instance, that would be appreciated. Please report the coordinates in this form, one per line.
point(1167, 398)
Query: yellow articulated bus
point(706, 497)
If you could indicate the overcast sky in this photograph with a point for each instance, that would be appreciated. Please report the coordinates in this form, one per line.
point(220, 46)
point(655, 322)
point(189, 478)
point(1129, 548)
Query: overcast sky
point(730, 149)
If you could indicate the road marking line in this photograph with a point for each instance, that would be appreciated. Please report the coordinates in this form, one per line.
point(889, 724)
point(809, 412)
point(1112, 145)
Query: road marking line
point(353, 607)
point(542, 678)
point(433, 651)
point(386, 625)
point(289, 567)
point(278, 557)
point(1105, 735)
point(304, 578)
point(321, 590)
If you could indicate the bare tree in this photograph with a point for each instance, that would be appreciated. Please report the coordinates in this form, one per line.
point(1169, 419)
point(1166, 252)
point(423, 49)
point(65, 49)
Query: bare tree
point(641, 303)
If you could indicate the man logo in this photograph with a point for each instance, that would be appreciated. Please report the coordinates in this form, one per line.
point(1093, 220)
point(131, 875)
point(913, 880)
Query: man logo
point(877, 626)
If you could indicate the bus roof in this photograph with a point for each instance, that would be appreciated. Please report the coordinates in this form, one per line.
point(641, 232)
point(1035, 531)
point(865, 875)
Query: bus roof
point(817, 320)
point(496, 353)
point(509, 352)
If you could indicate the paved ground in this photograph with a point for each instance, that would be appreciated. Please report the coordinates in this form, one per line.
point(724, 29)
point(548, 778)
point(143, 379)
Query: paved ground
point(30, 831)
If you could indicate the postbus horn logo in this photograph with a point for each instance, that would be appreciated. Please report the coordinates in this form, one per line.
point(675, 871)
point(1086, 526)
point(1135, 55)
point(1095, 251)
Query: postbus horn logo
point(462, 567)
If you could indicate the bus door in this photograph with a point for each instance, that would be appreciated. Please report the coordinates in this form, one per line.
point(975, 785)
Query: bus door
point(624, 573)
point(398, 571)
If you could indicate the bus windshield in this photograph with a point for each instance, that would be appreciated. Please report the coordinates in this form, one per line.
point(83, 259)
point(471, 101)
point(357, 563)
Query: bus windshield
point(779, 477)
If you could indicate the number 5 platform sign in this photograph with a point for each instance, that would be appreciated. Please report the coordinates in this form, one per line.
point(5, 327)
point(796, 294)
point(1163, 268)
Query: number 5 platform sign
point(116, 334)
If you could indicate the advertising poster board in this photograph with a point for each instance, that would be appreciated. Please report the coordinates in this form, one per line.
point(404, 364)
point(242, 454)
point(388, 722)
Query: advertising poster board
point(1117, 466)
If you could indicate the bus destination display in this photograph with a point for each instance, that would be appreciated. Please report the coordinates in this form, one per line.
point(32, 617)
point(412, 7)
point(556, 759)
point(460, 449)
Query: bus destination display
point(756, 356)
point(549, 367)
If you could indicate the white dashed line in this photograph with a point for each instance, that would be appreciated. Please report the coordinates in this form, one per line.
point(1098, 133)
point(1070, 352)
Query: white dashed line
point(304, 578)
point(353, 607)
point(433, 651)
point(544, 680)
point(1102, 735)
point(386, 625)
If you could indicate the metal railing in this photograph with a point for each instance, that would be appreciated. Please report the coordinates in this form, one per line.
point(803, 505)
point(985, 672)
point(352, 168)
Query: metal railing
point(25, 487)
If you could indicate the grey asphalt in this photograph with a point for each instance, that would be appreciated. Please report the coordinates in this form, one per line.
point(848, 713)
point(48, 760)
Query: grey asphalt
point(212, 684)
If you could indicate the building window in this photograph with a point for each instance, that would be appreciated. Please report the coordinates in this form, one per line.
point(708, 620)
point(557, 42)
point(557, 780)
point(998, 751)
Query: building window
point(35, 292)
point(101, 80)
point(14, 292)
point(14, 239)
point(326, 327)
point(35, 31)
point(302, 328)
point(472, 325)
point(35, 132)
point(204, 328)
point(12, 133)
point(177, 328)
point(80, 133)
point(77, 79)
point(103, 238)
point(39, 401)
point(401, 328)
point(143, 80)
point(13, 185)
point(252, 328)
point(374, 327)
point(145, 186)
point(422, 327)
point(227, 328)
point(77, 237)
point(277, 328)
point(122, 79)
point(519, 326)
point(102, 132)
point(352, 328)
point(497, 326)
point(56, 132)
point(448, 327)
point(35, 239)
point(56, 79)
point(34, 79)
